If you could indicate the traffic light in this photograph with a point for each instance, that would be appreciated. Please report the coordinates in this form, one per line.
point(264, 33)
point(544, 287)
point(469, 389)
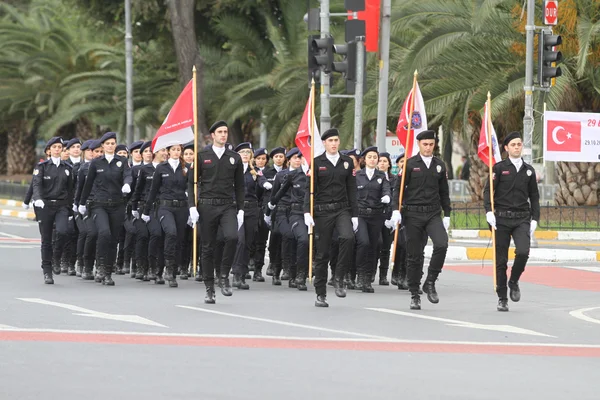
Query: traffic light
point(548, 58)
point(347, 67)
point(320, 53)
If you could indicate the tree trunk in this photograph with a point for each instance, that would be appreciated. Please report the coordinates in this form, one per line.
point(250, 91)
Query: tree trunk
point(577, 183)
point(3, 151)
point(84, 129)
point(478, 177)
point(20, 155)
point(188, 55)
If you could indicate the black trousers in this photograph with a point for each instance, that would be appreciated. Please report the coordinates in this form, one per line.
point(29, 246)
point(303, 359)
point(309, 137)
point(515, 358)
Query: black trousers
point(275, 243)
point(300, 232)
point(260, 241)
point(47, 218)
point(213, 217)
point(283, 229)
point(69, 255)
point(418, 227)
point(91, 239)
point(246, 237)
point(109, 222)
point(142, 237)
point(519, 230)
point(367, 243)
point(81, 235)
point(130, 238)
point(121, 244)
point(173, 221)
point(325, 223)
point(387, 237)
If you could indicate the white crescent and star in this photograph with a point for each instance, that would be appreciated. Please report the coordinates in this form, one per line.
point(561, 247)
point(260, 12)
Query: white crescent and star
point(555, 132)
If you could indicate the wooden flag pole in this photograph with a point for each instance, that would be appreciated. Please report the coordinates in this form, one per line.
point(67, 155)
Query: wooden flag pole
point(491, 177)
point(408, 146)
point(195, 237)
point(311, 132)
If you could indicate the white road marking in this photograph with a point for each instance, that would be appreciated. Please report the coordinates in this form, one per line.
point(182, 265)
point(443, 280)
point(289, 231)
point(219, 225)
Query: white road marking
point(589, 269)
point(84, 312)
point(8, 222)
point(465, 324)
point(5, 327)
point(290, 324)
point(23, 246)
point(580, 314)
point(10, 235)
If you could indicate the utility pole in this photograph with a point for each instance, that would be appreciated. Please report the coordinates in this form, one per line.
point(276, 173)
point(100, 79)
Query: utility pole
point(358, 94)
point(325, 119)
point(128, 71)
point(528, 121)
point(384, 72)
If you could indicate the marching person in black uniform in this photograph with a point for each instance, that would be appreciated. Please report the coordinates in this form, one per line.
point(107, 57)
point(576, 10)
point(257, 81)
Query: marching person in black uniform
point(128, 264)
point(399, 273)
point(53, 191)
point(219, 170)
point(335, 206)
point(374, 193)
point(123, 151)
point(383, 253)
point(426, 192)
point(516, 214)
point(110, 178)
point(88, 155)
point(278, 157)
point(184, 268)
point(257, 255)
point(168, 187)
point(72, 156)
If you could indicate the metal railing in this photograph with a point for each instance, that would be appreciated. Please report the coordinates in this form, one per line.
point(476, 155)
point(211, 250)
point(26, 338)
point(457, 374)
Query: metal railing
point(13, 191)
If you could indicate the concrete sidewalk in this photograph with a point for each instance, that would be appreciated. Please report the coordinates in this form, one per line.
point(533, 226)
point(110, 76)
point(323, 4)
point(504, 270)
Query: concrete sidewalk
point(539, 234)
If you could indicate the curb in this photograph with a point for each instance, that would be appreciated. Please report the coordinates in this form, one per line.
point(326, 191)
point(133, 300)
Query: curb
point(547, 235)
point(11, 203)
point(459, 253)
point(18, 214)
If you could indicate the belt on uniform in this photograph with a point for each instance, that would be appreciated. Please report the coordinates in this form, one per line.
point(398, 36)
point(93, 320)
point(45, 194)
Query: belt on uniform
point(173, 203)
point(513, 214)
point(370, 211)
point(422, 209)
point(216, 202)
point(297, 207)
point(108, 203)
point(56, 203)
point(250, 203)
point(331, 207)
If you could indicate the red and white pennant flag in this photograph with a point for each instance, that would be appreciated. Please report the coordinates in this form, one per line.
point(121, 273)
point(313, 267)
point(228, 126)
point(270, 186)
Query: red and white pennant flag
point(177, 127)
point(419, 122)
point(303, 133)
point(483, 150)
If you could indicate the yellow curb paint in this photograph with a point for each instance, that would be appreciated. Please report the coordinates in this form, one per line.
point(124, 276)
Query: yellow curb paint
point(548, 235)
point(17, 214)
point(481, 253)
point(598, 256)
point(12, 203)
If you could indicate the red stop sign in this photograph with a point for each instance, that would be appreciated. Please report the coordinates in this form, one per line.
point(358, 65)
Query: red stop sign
point(550, 12)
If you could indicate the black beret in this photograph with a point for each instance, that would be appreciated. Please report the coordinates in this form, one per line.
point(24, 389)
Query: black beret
point(121, 147)
point(189, 145)
point(72, 142)
point(228, 146)
point(136, 145)
point(293, 151)
point(261, 152)
point(385, 154)
point(511, 136)
point(429, 134)
point(108, 135)
point(400, 157)
point(95, 144)
point(54, 140)
point(353, 152)
point(243, 146)
point(217, 125)
point(145, 146)
point(368, 149)
point(277, 150)
point(330, 133)
point(86, 144)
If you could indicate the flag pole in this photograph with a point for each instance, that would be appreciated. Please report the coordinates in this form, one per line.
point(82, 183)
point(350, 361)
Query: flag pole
point(408, 146)
point(491, 177)
point(311, 132)
point(195, 237)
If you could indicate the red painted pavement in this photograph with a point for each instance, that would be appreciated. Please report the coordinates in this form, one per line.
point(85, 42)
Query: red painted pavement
point(558, 277)
point(300, 344)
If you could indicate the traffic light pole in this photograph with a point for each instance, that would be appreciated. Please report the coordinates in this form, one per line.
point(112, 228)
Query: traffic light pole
point(358, 94)
point(528, 121)
point(384, 73)
point(325, 120)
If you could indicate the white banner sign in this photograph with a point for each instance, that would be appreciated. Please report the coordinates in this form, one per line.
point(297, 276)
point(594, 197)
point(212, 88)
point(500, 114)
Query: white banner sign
point(395, 148)
point(571, 136)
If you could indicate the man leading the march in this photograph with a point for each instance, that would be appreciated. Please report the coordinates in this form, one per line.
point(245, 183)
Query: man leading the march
point(516, 212)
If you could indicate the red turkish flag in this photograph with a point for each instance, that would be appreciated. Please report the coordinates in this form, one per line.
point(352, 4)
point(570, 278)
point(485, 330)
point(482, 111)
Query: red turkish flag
point(177, 127)
point(563, 136)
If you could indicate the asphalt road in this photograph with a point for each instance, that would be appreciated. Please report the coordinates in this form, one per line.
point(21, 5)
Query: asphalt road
point(79, 339)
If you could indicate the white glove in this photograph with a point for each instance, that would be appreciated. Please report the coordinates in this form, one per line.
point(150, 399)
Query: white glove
point(194, 214)
point(491, 219)
point(390, 224)
point(268, 220)
point(533, 227)
point(82, 209)
point(135, 213)
point(26, 206)
point(446, 222)
point(39, 203)
point(271, 206)
point(74, 208)
point(240, 218)
point(396, 217)
point(126, 188)
point(268, 186)
point(354, 223)
point(145, 218)
point(190, 222)
point(385, 199)
point(308, 220)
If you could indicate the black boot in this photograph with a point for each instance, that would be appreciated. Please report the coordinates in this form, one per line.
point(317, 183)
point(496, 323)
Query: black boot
point(292, 283)
point(360, 282)
point(367, 285)
point(126, 267)
point(55, 265)
point(134, 268)
point(118, 268)
point(276, 280)
point(79, 269)
point(159, 277)
point(415, 302)
point(348, 282)
point(330, 281)
point(243, 284)
point(210, 292)
point(429, 288)
point(285, 276)
point(515, 291)
point(340, 291)
point(251, 264)
point(269, 270)
point(258, 276)
point(169, 273)
point(48, 280)
point(88, 267)
point(108, 281)
point(148, 264)
point(502, 305)
point(64, 268)
point(184, 272)
point(199, 277)
point(321, 301)
point(301, 282)
point(383, 281)
point(237, 281)
point(395, 281)
point(225, 286)
point(100, 270)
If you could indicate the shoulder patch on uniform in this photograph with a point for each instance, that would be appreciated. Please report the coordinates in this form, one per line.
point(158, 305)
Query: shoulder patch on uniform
point(232, 160)
point(67, 172)
point(379, 180)
point(36, 171)
point(119, 163)
point(346, 165)
point(529, 173)
point(439, 168)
